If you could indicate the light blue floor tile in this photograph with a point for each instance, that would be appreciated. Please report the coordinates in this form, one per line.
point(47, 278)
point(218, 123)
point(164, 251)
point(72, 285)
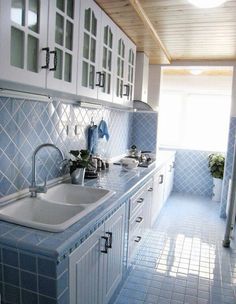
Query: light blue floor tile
point(181, 260)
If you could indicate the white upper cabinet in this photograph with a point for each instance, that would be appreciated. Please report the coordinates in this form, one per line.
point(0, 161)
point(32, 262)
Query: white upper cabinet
point(96, 55)
point(23, 35)
point(40, 43)
point(125, 69)
point(63, 45)
point(90, 31)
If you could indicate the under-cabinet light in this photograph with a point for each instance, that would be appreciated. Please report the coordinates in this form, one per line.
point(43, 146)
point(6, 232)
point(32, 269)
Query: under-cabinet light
point(24, 95)
point(207, 3)
point(90, 105)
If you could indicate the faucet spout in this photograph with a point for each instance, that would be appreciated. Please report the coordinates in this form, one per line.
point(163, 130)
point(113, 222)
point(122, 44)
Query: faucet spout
point(34, 189)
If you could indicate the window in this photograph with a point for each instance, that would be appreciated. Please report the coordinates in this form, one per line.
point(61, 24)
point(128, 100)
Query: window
point(194, 121)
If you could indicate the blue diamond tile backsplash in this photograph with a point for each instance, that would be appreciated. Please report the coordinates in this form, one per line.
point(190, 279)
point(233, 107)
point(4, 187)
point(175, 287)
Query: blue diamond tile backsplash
point(228, 166)
point(192, 173)
point(25, 124)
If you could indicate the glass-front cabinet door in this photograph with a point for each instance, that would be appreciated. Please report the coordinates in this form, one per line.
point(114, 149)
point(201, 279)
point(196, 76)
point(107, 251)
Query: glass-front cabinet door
point(89, 78)
point(63, 45)
point(129, 85)
point(23, 35)
point(107, 59)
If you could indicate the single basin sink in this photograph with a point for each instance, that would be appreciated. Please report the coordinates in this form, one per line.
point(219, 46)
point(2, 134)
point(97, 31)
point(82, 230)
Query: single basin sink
point(40, 214)
point(70, 194)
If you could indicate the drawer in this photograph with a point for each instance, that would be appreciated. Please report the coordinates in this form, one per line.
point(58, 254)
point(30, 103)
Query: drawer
point(136, 201)
point(134, 241)
point(137, 220)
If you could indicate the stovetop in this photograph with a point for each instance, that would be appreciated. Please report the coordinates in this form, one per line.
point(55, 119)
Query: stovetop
point(145, 164)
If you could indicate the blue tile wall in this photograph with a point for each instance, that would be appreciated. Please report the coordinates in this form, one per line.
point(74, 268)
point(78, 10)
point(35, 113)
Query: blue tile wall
point(25, 124)
point(144, 130)
point(192, 173)
point(21, 284)
point(228, 166)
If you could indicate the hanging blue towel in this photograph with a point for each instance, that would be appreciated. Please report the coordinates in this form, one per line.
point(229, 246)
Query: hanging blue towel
point(103, 130)
point(92, 139)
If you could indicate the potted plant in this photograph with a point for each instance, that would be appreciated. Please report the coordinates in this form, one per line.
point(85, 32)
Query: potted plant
point(216, 163)
point(78, 164)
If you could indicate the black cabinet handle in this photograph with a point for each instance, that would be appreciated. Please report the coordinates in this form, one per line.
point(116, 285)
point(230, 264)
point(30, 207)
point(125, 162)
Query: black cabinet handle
point(161, 179)
point(110, 239)
point(140, 200)
point(127, 91)
point(101, 80)
point(139, 219)
point(55, 60)
point(47, 58)
point(106, 244)
point(150, 189)
point(138, 239)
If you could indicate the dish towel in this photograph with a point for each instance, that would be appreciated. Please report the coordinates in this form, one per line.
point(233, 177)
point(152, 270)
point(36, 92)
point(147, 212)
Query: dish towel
point(92, 139)
point(103, 130)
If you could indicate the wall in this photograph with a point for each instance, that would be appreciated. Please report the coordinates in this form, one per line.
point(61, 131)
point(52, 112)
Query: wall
point(192, 173)
point(26, 124)
point(144, 130)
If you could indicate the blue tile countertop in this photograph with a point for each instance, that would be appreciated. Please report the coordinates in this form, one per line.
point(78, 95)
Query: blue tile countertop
point(60, 245)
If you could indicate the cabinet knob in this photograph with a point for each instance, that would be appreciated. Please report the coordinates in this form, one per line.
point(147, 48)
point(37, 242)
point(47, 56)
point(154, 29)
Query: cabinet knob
point(161, 179)
point(150, 189)
point(138, 239)
point(140, 200)
point(139, 219)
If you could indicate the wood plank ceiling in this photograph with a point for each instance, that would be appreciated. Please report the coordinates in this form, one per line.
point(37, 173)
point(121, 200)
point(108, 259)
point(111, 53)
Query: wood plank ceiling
point(185, 32)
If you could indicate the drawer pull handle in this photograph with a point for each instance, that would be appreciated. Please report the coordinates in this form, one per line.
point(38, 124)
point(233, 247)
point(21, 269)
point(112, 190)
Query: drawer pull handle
point(54, 60)
point(106, 246)
point(139, 219)
point(47, 58)
point(138, 239)
point(161, 179)
point(140, 200)
point(110, 239)
point(150, 189)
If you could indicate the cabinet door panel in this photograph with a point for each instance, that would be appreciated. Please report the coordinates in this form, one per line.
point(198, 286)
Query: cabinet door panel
point(107, 56)
point(23, 28)
point(158, 193)
point(63, 44)
point(90, 24)
point(85, 266)
point(113, 261)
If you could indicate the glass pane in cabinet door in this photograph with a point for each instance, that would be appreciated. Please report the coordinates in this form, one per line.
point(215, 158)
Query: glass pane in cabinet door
point(109, 60)
point(94, 25)
point(87, 18)
point(86, 46)
point(33, 15)
point(93, 50)
point(108, 83)
point(58, 72)
point(59, 34)
point(17, 48)
point(104, 59)
point(70, 8)
point(119, 47)
point(105, 37)
point(69, 35)
point(121, 88)
point(85, 74)
point(110, 38)
point(91, 76)
point(18, 11)
point(61, 5)
point(122, 69)
point(68, 67)
point(105, 82)
point(118, 87)
point(118, 66)
point(32, 54)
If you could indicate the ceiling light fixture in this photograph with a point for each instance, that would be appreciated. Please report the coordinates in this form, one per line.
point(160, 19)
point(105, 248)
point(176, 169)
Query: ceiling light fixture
point(207, 3)
point(196, 72)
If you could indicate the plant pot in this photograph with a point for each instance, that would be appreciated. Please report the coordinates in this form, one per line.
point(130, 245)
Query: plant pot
point(217, 187)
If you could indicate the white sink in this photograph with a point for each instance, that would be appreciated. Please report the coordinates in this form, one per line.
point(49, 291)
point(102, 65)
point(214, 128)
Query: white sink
point(56, 210)
point(70, 194)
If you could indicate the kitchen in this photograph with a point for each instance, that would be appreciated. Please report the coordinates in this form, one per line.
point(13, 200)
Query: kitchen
point(67, 66)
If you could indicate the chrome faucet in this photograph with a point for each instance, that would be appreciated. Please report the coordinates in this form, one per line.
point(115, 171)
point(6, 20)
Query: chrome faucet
point(34, 189)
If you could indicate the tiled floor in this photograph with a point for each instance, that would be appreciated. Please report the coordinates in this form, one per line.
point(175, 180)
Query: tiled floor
point(182, 259)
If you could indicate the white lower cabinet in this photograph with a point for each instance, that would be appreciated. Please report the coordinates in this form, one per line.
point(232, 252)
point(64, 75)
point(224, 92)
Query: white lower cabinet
point(169, 177)
point(158, 194)
point(96, 266)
